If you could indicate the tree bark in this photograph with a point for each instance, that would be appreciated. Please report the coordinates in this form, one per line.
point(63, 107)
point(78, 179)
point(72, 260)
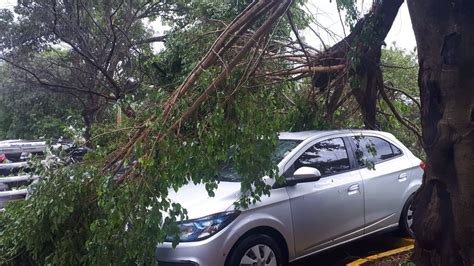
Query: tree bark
point(367, 49)
point(88, 117)
point(444, 206)
point(363, 48)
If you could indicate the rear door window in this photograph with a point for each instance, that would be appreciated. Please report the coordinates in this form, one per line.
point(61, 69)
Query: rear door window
point(396, 151)
point(328, 156)
point(370, 149)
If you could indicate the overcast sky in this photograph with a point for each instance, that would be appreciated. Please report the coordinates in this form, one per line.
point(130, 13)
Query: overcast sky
point(325, 13)
point(7, 3)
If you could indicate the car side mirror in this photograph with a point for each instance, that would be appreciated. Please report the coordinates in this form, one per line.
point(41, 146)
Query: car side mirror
point(303, 175)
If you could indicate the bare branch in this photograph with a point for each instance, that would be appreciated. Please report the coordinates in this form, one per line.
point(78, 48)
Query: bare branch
point(404, 93)
point(398, 67)
point(403, 121)
point(307, 70)
point(295, 31)
point(52, 85)
point(151, 40)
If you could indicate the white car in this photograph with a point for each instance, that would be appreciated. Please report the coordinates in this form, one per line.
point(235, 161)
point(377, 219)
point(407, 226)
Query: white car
point(330, 197)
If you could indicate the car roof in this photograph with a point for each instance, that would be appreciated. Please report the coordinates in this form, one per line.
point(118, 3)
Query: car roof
point(19, 141)
point(303, 135)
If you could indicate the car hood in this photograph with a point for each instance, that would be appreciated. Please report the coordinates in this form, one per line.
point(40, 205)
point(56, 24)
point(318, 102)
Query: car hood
point(195, 199)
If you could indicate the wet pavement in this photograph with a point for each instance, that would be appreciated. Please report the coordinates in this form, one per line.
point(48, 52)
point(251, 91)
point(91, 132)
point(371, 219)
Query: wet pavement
point(355, 250)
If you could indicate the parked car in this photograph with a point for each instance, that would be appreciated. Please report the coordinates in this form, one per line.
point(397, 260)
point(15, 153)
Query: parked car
point(21, 150)
point(333, 195)
point(15, 176)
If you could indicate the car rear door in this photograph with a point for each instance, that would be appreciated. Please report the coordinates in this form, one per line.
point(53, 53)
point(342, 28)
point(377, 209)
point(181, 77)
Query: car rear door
point(383, 168)
point(330, 210)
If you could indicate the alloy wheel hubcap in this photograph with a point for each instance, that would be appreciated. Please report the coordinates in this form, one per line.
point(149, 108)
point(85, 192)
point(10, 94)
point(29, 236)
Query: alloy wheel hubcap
point(259, 255)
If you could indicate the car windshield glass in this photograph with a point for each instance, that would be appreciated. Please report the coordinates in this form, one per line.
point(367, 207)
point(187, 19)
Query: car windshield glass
point(284, 146)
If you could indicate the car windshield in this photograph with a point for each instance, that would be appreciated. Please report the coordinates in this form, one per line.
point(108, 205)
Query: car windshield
point(229, 174)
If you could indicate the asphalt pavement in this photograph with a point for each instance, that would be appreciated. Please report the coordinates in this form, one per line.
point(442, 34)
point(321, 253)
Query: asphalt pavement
point(355, 250)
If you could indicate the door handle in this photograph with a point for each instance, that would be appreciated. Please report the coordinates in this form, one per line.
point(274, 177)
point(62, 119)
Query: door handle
point(402, 177)
point(353, 189)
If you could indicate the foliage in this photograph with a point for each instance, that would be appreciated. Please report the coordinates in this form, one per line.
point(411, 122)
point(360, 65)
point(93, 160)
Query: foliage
point(30, 113)
point(88, 50)
point(400, 71)
point(309, 113)
point(352, 14)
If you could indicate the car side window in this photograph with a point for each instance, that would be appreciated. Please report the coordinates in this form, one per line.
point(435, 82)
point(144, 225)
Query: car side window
point(396, 151)
point(374, 149)
point(328, 156)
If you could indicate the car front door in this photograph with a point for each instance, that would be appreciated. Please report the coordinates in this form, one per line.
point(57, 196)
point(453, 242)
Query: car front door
point(330, 210)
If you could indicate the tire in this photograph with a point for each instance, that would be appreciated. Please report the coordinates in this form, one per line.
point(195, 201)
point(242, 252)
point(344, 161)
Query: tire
point(267, 249)
point(406, 219)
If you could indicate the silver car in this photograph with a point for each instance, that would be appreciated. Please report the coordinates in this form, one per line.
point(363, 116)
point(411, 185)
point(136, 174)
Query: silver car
point(340, 186)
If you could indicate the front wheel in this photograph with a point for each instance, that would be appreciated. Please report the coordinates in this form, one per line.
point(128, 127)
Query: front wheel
point(406, 220)
point(256, 250)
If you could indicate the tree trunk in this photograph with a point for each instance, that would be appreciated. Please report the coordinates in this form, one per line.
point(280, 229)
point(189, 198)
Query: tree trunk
point(367, 49)
point(444, 206)
point(361, 50)
point(88, 117)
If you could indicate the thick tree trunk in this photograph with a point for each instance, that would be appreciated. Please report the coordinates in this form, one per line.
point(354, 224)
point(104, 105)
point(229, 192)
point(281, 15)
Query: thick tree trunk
point(367, 51)
point(361, 50)
point(367, 75)
point(444, 206)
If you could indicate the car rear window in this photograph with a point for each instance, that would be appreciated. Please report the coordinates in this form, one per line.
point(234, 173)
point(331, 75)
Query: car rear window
point(374, 149)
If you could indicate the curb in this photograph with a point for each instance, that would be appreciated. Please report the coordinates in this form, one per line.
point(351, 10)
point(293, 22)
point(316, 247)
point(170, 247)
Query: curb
point(409, 245)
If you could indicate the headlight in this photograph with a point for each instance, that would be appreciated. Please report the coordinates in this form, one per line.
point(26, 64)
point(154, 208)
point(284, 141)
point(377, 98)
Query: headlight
point(202, 228)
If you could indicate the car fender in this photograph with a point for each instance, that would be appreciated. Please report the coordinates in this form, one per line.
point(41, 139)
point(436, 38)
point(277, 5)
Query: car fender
point(253, 218)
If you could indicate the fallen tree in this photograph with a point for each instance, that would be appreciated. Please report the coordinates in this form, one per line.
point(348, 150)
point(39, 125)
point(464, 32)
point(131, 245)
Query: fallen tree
point(355, 59)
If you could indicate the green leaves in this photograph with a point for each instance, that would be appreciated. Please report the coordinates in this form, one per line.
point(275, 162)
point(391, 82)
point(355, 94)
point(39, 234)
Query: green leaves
point(29, 113)
point(350, 7)
point(400, 71)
